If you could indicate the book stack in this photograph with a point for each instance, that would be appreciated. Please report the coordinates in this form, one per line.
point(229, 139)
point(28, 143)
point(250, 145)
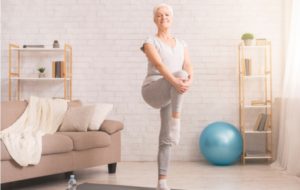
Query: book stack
point(33, 46)
point(261, 42)
point(57, 69)
point(247, 67)
point(262, 122)
point(258, 102)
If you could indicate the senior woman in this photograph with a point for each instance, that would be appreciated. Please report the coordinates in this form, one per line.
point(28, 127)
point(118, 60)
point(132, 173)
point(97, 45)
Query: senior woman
point(169, 76)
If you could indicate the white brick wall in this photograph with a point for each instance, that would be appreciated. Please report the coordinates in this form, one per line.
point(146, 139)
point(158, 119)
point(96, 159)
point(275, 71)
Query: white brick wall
point(109, 67)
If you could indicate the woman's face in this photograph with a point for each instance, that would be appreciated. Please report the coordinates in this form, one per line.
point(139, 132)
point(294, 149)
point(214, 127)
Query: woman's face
point(163, 18)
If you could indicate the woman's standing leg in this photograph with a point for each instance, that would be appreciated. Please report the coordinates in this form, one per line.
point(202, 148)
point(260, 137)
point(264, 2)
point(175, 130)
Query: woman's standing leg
point(164, 151)
point(161, 94)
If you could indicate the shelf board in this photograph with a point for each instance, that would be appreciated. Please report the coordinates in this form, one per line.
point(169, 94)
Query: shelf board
point(39, 49)
point(256, 76)
point(254, 46)
point(256, 155)
point(256, 106)
point(257, 132)
point(41, 79)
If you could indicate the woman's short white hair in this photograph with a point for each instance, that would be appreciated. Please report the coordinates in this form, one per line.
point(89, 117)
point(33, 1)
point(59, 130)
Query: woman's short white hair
point(155, 9)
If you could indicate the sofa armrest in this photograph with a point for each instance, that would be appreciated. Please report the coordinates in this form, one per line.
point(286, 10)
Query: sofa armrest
point(111, 126)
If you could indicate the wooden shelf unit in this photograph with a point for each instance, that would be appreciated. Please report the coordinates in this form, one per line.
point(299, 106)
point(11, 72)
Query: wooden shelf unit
point(265, 78)
point(16, 76)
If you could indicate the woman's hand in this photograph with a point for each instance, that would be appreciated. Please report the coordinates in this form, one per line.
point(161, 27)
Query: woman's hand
point(188, 82)
point(181, 85)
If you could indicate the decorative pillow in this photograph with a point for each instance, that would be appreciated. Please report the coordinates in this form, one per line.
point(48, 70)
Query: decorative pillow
point(74, 103)
point(77, 118)
point(101, 111)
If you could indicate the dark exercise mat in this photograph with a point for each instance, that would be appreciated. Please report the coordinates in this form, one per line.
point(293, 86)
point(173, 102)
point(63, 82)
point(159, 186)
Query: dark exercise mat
point(92, 186)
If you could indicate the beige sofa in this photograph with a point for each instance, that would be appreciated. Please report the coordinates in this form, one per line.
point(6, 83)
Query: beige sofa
point(62, 152)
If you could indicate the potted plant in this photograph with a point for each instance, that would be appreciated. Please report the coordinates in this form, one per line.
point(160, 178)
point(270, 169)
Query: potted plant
point(248, 39)
point(41, 72)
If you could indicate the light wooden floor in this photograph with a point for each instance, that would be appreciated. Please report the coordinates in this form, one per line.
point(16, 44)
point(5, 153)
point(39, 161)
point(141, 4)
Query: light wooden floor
point(183, 175)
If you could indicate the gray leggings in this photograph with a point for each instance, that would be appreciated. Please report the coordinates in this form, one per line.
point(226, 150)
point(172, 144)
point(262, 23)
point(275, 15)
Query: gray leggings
point(162, 95)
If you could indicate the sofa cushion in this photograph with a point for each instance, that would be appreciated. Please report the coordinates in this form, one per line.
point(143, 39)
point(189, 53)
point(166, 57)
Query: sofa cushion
point(87, 140)
point(56, 143)
point(51, 144)
point(111, 126)
point(101, 112)
point(74, 103)
point(77, 119)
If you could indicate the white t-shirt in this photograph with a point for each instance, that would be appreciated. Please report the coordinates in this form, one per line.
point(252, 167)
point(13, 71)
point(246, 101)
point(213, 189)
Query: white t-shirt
point(172, 57)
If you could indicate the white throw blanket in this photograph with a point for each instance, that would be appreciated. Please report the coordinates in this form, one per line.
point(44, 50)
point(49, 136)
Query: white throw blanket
point(23, 139)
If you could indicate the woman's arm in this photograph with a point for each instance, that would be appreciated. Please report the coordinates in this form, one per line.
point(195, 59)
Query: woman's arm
point(187, 66)
point(155, 59)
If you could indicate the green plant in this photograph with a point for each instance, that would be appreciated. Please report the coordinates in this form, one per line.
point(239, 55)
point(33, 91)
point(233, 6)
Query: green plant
point(247, 36)
point(41, 69)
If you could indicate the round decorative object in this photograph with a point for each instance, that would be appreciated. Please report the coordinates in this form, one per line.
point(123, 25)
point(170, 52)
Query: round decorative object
point(55, 44)
point(221, 143)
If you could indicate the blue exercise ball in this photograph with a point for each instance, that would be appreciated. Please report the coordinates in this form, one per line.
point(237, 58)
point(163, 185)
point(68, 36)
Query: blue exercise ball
point(221, 143)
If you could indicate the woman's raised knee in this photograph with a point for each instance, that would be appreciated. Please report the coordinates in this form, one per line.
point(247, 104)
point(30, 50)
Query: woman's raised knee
point(181, 74)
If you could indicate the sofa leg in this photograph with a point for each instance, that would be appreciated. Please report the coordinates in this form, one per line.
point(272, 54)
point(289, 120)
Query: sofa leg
point(67, 174)
point(112, 168)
